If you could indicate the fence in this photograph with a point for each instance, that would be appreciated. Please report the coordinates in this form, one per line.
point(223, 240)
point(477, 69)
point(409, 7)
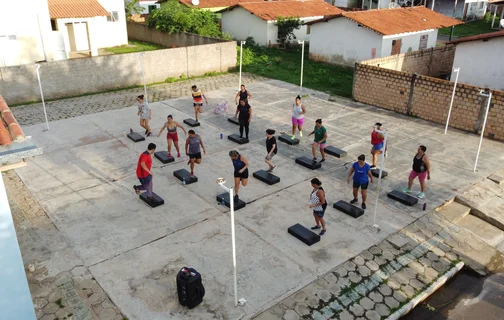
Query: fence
point(429, 98)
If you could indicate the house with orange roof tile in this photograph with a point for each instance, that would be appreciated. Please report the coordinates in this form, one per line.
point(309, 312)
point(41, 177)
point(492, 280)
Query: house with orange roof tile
point(258, 19)
point(212, 5)
point(355, 36)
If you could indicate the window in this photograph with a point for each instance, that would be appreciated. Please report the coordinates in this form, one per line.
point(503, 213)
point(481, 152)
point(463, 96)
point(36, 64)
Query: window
point(114, 16)
point(151, 8)
point(423, 42)
point(54, 25)
point(12, 37)
point(480, 5)
point(396, 46)
point(308, 29)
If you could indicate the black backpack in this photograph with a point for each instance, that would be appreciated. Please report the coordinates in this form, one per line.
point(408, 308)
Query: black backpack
point(189, 287)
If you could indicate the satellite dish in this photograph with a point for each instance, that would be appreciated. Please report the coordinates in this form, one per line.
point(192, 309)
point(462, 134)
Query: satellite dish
point(502, 23)
point(195, 2)
point(393, 5)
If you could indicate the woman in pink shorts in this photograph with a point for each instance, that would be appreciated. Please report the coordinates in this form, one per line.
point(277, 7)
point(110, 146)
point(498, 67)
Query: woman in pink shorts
point(421, 169)
point(172, 136)
point(298, 112)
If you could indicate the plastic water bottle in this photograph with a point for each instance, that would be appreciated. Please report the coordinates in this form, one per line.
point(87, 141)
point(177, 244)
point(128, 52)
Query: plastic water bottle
point(221, 135)
point(425, 206)
point(183, 181)
point(222, 202)
point(124, 132)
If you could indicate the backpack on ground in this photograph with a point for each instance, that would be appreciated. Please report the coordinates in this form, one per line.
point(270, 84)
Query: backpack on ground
point(189, 287)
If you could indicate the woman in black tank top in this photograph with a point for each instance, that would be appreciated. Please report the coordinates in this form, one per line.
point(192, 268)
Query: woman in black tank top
point(243, 94)
point(421, 169)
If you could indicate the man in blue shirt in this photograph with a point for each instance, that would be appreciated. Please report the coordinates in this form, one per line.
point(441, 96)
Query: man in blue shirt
point(362, 176)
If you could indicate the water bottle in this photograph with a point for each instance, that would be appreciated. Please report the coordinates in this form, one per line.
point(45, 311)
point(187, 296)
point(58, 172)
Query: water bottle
point(124, 132)
point(425, 206)
point(222, 202)
point(183, 181)
point(221, 135)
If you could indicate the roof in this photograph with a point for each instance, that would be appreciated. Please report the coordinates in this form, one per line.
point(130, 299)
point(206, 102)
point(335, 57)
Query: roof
point(398, 20)
point(9, 127)
point(76, 9)
point(217, 3)
point(270, 11)
point(478, 37)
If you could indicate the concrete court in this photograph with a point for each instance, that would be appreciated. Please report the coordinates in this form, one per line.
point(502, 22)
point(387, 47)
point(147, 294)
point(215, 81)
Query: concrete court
point(84, 182)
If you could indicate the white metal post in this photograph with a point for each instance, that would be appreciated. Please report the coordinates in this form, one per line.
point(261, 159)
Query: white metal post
point(37, 67)
point(302, 61)
point(141, 54)
point(489, 97)
point(457, 70)
point(382, 165)
point(241, 55)
point(231, 206)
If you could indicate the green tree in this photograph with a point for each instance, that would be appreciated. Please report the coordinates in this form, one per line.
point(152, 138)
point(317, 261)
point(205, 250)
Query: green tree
point(174, 17)
point(131, 7)
point(286, 27)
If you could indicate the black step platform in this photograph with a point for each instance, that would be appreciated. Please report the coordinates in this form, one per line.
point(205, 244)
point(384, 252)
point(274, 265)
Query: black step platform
point(184, 174)
point(236, 138)
point(266, 177)
point(402, 197)
point(376, 172)
point(303, 234)
point(349, 209)
point(232, 120)
point(136, 137)
point(163, 157)
point(225, 197)
point(333, 151)
point(191, 122)
point(288, 139)
point(308, 163)
point(155, 202)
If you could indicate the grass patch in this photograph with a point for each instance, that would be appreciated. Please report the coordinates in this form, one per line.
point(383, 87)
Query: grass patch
point(468, 29)
point(134, 46)
point(59, 303)
point(285, 65)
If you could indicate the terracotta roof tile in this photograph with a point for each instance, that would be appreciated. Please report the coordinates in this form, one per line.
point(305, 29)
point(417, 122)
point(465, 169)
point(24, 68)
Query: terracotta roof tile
point(217, 3)
point(399, 20)
point(76, 9)
point(479, 37)
point(9, 128)
point(269, 11)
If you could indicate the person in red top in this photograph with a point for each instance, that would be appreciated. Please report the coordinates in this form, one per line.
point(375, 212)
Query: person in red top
point(143, 171)
point(377, 140)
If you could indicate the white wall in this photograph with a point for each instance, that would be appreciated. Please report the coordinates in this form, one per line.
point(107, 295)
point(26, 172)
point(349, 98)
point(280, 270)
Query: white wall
point(30, 31)
point(341, 41)
point(410, 42)
point(111, 34)
point(301, 34)
point(445, 7)
point(146, 4)
point(240, 24)
point(488, 71)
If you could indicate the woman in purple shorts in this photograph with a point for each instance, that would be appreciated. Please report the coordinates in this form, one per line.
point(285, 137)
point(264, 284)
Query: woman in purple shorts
point(298, 112)
point(320, 139)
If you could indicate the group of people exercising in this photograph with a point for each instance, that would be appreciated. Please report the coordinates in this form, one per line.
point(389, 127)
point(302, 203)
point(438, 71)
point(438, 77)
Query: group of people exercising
point(360, 170)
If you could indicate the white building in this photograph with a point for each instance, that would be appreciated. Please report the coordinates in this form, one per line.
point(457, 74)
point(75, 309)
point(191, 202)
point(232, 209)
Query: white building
point(480, 60)
point(361, 35)
point(258, 19)
point(148, 5)
point(465, 9)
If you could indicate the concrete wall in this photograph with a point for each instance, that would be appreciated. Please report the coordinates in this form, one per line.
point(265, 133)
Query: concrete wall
point(240, 24)
point(488, 72)
point(429, 98)
point(341, 41)
point(410, 42)
point(74, 77)
point(432, 62)
point(111, 33)
point(140, 32)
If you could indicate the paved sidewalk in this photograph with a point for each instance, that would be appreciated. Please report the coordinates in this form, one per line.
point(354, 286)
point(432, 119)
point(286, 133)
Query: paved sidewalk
point(61, 286)
point(381, 280)
point(74, 107)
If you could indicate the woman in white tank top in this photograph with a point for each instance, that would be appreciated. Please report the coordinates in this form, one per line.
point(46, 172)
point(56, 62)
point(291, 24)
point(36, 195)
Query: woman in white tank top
point(318, 203)
point(298, 112)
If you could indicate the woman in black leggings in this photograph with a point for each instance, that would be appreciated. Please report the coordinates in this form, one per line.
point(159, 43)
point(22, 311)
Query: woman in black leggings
point(245, 115)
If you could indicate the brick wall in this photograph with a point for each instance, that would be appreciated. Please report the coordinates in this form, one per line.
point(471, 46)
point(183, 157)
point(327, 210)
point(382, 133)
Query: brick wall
point(429, 98)
point(141, 32)
point(66, 78)
point(432, 62)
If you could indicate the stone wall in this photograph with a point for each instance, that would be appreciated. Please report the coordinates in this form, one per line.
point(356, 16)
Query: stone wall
point(434, 62)
point(141, 32)
point(429, 98)
point(66, 78)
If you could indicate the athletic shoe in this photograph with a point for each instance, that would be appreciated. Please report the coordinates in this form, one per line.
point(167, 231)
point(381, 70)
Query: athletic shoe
point(269, 170)
point(131, 130)
point(300, 133)
point(406, 190)
point(421, 195)
point(146, 131)
point(353, 201)
point(314, 159)
point(323, 160)
point(293, 137)
point(169, 155)
point(149, 134)
point(178, 155)
point(386, 153)
point(322, 232)
point(363, 206)
point(192, 174)
point(273, 168)
point(136, 190)
point(236, 198)
point(372, 167)
point(316, 227)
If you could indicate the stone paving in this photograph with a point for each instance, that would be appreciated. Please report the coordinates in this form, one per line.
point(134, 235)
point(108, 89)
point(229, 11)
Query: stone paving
point(379, 281)
point(61, 287)
point(74, 107)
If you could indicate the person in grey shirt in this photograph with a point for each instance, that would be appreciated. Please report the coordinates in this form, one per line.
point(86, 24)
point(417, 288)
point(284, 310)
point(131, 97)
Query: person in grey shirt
point(145, 113)
point(192, 149)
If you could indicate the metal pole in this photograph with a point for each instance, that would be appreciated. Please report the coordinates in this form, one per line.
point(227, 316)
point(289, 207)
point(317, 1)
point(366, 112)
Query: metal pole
point(483, 129)
point(453, 16)
point(457, 70)
point(302, 61)
point(231, 206)
point(37, 67)
point(241, 55)
point(382, 164)
point(141, 54)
